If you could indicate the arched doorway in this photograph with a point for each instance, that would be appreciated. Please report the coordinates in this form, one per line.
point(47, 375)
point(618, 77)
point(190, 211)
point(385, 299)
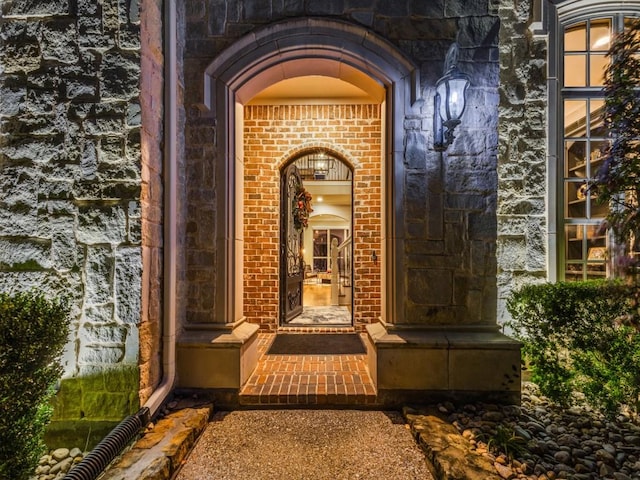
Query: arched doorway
point(313, 130)
point(314, 47)
point(316, 260)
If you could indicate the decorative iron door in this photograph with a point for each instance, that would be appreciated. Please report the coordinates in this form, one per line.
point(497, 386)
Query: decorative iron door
point(292, 223)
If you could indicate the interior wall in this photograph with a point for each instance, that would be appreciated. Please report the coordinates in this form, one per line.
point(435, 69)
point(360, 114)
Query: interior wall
point(270, 132)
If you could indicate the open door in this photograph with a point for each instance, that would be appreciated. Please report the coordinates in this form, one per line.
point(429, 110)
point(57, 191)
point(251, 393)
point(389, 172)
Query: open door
point(294, 208)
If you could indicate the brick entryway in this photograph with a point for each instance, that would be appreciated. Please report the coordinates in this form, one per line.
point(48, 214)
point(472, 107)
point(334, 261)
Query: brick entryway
point(327, 380)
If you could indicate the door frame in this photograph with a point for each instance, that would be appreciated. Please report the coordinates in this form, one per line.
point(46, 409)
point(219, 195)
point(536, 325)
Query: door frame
point(338, 154)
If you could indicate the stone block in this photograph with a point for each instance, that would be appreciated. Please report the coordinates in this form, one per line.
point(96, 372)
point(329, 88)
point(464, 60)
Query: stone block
point(364, 18)
point(129, 37)
point(23, 254)
point(38, 8)
point(477, 31)
point(99, 271)
point(103, 333)
point(256, 12)
point(485, 367)
point(99, 225)
point(38, 150)
point(101, 354)
point(482, 226)
point(88, 160)
point(128, 284)
point(13, 96)
point(59, 42)
point(67, 402)
point(235, 355)
point(120, 75)
point(98, 314)
point(430, 287)
point(430, 363)
point(512, 254)
point(124, 378)
point(20, 52)
point(217, 10)
point(106, 406)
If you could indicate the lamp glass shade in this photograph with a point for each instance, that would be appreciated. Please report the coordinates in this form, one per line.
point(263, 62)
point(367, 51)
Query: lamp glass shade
point(452, 90)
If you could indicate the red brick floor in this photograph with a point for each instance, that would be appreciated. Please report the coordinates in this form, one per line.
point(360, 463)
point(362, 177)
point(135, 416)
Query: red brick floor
point(327, 380)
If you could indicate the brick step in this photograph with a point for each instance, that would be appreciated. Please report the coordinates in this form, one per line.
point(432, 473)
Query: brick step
point(327, 380)
point(315, 329)
point(361, 395)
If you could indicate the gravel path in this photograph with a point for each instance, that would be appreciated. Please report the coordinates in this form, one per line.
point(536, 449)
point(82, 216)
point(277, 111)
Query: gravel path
point(306, 444)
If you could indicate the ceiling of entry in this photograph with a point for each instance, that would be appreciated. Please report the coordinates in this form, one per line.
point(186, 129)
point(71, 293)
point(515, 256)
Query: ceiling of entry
point(316, 89)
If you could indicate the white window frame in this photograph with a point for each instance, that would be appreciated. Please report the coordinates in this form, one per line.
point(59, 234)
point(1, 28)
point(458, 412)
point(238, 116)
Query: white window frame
point(559, 15)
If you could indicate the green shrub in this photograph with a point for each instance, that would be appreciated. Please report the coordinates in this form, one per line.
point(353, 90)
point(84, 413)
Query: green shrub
point(33, 333)
point(581, 337)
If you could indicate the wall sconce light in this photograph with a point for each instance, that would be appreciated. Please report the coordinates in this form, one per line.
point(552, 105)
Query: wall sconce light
point(450, 100)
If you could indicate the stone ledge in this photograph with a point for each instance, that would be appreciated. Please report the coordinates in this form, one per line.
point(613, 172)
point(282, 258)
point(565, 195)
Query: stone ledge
point(217, 359)
point(448, 452)
point(161, 450)
point(407, 364)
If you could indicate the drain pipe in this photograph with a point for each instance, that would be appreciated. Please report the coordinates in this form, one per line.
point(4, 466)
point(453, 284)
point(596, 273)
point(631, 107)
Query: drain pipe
point(170, 212)
point(103, 454)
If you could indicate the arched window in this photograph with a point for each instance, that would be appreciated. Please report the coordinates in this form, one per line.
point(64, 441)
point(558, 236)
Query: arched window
point(582, 41)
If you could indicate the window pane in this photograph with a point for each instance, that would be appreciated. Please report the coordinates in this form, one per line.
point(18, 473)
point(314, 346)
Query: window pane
point(319, 265)
point(575, 38)
point(596, 155)
point(319, 243)
point(600, 35)
point(575, 163)
point(574, 235)
point(597, 210)
point(576, 201)
point(575, 68)
point(596, 109)
point(575, 117)
point(596, 70)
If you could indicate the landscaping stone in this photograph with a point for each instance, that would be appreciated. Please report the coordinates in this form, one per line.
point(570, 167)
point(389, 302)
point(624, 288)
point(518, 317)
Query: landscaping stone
point(576, 443)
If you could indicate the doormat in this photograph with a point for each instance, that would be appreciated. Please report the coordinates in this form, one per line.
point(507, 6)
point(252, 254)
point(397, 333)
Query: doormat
point(317, 344)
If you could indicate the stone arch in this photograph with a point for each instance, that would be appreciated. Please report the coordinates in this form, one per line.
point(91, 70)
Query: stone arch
point(297, 47)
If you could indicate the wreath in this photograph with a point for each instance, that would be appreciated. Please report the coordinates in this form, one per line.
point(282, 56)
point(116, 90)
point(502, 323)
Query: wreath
point(301, 208)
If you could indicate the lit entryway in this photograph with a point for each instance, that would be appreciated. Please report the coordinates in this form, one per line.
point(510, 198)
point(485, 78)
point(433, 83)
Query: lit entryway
point(316, 225)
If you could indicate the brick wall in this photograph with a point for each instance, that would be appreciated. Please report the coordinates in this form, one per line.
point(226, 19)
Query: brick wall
point(273, 135)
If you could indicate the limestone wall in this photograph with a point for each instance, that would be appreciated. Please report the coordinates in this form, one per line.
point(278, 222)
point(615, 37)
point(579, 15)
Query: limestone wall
point(449, 203)
point(522, 167)
point(71, 213)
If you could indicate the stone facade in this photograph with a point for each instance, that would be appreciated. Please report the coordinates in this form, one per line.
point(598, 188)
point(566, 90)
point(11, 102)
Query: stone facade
point(449, 203)
point(76, 189)
point(82, 182)
point(523, 206)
